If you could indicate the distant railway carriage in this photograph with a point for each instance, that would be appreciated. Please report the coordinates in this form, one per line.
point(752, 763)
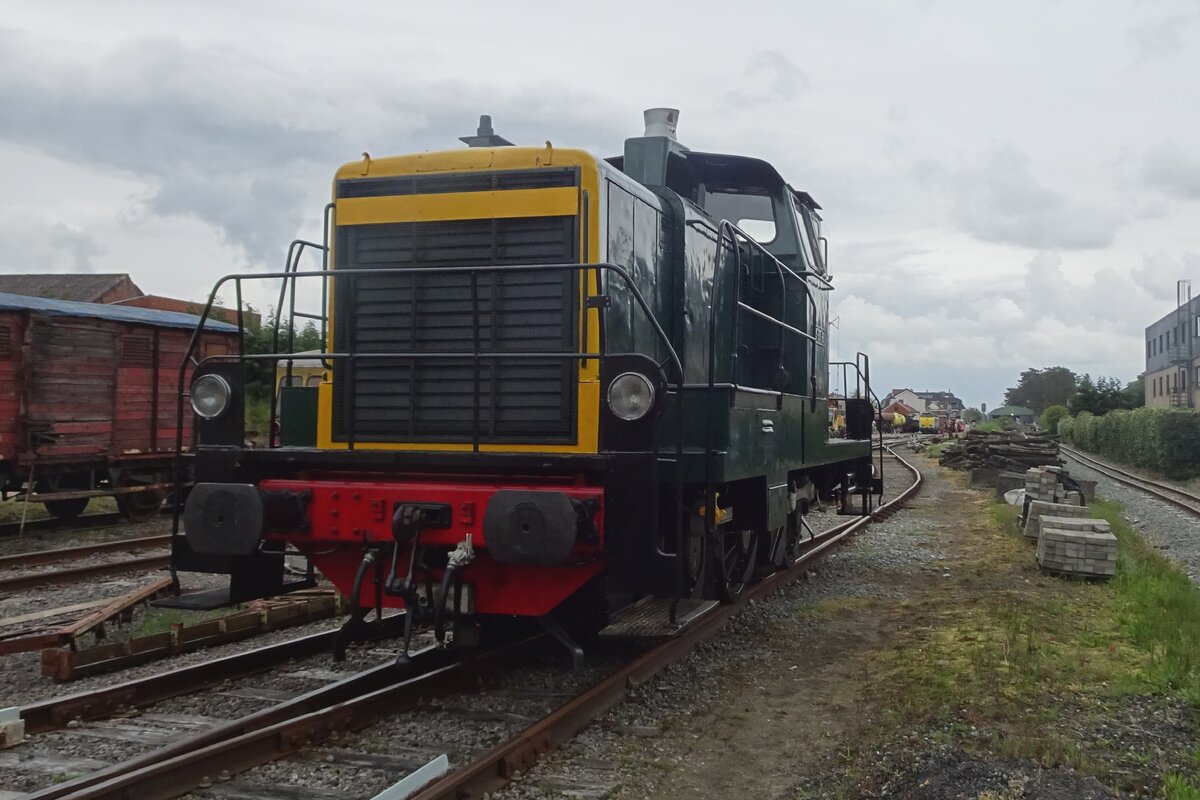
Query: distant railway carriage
point(88, 400)
point(556, 381)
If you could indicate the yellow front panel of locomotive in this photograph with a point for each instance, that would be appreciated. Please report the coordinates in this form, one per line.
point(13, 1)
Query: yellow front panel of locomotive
point(559, 201)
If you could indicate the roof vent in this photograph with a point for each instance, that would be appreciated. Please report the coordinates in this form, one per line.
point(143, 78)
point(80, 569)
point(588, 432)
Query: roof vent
point(485, 136)
point(661, 122)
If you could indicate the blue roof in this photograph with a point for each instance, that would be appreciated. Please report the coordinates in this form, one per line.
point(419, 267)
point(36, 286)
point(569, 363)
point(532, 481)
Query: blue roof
point(116, 313)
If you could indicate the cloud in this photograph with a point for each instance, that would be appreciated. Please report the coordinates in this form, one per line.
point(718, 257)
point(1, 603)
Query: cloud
point(1160, 38)
point(999, 199)
point(53, 247)
point(1172, 170)
point(248, 147)
point(78, 246)
point(769, 76)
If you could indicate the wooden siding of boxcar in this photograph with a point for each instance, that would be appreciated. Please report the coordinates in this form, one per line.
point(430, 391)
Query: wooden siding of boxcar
point(86, 391)
point(12, 335)
point(71, 389)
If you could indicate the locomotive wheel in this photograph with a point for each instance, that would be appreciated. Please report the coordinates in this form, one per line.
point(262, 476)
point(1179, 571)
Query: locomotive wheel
point(776, 554)
point(139, 506)
point(795, 531)
point(63, 509)
point(694, 555)
point(736, 562)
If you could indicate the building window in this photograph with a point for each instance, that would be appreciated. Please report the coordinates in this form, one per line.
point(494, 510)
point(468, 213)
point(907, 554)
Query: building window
point(1160, 343)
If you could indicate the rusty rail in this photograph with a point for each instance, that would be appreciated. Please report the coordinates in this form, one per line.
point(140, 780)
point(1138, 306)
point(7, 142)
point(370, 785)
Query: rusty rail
point(39, 557)
point(73, 574)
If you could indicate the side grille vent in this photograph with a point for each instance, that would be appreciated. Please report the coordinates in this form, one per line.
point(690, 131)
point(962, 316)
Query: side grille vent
point(431, 312)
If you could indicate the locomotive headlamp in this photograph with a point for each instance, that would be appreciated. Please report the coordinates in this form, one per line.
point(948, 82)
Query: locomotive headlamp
point(210, 396)
point(630, 396)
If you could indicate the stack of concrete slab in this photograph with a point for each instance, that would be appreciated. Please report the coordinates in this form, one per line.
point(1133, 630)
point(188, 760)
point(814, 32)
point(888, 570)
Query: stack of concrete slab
point(1075, 546)
point(1046, 483)
point(1036, 509)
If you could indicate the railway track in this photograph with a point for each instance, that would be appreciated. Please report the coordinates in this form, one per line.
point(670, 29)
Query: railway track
point(1180, 498)
point(27, 580)
point(352, 704)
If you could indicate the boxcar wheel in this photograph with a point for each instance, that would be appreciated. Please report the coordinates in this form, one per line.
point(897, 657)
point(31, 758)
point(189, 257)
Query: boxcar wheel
point(139, 506)
point(66, 509)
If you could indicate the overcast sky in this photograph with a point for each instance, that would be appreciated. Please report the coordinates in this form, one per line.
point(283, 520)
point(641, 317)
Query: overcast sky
point(1005, 185)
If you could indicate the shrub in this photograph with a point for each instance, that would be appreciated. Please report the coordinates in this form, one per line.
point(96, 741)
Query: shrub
point(1051, 416)
point(1163, 439)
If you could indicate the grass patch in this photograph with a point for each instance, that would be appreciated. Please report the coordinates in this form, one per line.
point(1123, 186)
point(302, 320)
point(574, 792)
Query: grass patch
point(160, 620)
point(1177, 787)
point(1012, 651)
point(1158, 608)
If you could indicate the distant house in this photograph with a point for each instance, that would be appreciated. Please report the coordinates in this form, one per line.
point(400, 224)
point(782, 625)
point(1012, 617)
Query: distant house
point(107, 288)
point(940, 403)
point(906, 396)
point(1020, 414)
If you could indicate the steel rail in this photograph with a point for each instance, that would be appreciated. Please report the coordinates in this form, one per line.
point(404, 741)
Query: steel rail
point(133, 772)
point(56, 712)
point(285, 729)
point(39, 557)
point(1162, 491)
point(72, 574)
point(495, 768)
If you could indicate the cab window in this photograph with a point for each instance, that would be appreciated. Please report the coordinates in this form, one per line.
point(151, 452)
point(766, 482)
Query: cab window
point(750, 209)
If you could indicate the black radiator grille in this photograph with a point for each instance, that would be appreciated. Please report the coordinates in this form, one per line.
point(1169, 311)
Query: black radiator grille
point(433, 399)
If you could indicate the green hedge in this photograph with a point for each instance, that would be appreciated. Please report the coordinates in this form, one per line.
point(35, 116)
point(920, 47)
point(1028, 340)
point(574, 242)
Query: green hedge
point(1162, 439)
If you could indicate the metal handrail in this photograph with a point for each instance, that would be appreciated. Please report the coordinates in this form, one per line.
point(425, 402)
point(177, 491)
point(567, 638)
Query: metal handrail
point(862, 368)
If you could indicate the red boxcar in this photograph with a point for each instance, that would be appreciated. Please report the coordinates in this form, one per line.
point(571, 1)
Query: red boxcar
point(88, 397)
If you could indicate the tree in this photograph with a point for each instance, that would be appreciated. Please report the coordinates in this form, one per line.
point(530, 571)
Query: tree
point(1038, 389)
point(1107, 394)
point(972, 415)
point(1086, 398)
point(1051, 416)
point(1134, 395)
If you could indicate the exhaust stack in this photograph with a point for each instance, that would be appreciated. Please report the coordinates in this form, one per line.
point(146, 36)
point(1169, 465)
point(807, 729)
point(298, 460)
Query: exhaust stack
point(661, 122)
